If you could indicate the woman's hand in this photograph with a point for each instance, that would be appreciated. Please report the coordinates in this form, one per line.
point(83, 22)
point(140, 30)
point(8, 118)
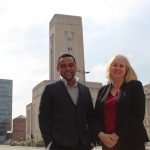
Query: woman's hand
point(109, 140)
point(114, 137)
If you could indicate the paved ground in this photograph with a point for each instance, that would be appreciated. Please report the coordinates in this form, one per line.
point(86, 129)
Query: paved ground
point(8, 147)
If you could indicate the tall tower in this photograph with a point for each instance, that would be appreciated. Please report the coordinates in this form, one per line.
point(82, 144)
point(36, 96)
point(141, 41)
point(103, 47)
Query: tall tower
point(66, 36)
point(6, 87)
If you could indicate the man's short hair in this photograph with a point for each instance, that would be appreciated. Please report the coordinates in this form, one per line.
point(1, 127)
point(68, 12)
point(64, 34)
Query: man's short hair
point(66, 55)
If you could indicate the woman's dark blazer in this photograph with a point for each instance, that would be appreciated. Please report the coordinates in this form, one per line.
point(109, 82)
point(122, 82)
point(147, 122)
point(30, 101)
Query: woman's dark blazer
point(63, 122)
point(130, 111)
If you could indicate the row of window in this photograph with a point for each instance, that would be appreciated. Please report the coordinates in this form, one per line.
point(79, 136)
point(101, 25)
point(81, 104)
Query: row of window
point(4, 123)
point(5, 119)
point(5, 81)
point(5, 105)
point(5, 115)
point(5, 95)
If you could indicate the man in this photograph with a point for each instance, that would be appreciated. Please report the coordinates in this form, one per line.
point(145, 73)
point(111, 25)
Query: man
point(66, 115)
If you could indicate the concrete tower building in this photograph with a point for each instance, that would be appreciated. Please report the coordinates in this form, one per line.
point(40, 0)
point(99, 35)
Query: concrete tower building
point(65, 36)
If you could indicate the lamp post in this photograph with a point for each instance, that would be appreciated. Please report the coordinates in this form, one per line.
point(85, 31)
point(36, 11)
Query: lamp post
point(83, 72)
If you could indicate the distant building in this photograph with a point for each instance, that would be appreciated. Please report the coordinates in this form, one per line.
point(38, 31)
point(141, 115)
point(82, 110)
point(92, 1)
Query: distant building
point(19, 128)
point(147, 111)
point(5, 108)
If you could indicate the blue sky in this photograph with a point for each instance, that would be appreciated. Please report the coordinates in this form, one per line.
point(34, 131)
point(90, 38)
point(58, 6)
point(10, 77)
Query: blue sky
point(109, 27)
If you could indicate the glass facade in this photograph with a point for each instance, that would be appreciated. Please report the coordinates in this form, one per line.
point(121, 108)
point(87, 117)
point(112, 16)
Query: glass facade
point(6, 87)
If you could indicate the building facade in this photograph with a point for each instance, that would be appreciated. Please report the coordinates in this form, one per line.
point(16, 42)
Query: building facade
point(147, 111)
point(6, 87)
point(19, 128)
point(65, 36)
point(32, 126)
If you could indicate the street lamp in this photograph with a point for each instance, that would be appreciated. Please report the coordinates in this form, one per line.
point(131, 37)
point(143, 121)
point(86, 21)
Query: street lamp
point(83, 72)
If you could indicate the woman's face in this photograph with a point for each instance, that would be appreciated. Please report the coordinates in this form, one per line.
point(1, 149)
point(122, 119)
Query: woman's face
point(118, 70)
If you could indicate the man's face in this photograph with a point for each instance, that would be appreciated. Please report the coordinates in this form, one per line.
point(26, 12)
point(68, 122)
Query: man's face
point(67, 68)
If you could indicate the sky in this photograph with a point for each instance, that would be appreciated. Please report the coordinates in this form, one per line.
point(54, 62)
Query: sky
point(109, 27)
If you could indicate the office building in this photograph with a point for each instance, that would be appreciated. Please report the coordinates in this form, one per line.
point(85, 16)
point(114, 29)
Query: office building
point(5, 108)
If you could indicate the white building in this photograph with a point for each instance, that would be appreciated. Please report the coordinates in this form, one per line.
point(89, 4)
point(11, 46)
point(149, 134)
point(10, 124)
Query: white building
point(65, 36)
point(147, 113)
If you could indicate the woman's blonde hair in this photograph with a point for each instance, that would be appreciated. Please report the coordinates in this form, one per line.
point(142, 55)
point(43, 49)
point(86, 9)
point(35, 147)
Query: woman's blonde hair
point(130, 73)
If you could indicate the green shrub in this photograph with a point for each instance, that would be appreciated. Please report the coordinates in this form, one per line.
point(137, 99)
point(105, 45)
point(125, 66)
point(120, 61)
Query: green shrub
point(39, 143)
point(21, 143)
point(28, 143)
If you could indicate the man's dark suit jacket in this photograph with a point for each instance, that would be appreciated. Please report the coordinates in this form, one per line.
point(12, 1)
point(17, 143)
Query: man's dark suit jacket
point(130, 111)
point(63, 122)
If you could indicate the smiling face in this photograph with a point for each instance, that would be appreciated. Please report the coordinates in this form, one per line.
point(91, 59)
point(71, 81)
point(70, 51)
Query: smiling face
point(118, 70)
point(67, 68)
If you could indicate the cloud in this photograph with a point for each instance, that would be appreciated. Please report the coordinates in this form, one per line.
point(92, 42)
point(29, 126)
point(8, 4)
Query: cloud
point(24, 59)
point(129, 37)
point(108, 11)
point(109, 27)
point(26, 73)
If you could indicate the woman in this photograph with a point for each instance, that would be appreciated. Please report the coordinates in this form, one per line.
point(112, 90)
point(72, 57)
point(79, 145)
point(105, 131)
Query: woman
point(120, 108)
